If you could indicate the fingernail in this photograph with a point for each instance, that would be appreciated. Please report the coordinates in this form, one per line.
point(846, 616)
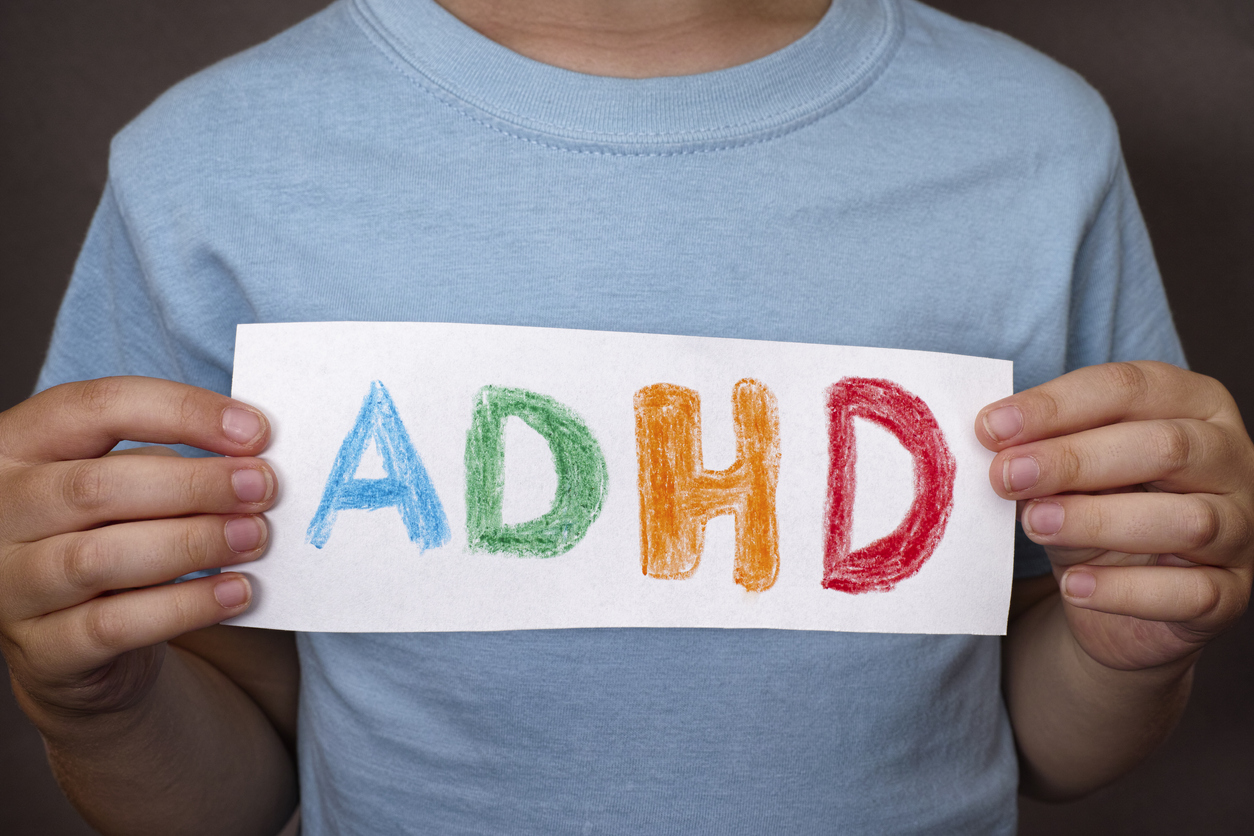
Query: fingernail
point(1004, 422)
point(251, 485)
point(231, 593)
point(241, 425)
point(1044, 518)
point(243, 534)
point(1079, 584)
point(1020, 473)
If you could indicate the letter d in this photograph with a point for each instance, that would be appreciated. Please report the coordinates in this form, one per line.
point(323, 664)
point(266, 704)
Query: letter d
point(889, 560)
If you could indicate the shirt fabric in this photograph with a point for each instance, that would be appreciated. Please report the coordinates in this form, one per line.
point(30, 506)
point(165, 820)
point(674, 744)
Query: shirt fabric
point(894, 178)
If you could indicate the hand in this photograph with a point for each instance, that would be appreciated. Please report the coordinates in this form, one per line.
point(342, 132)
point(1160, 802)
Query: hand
point(89, 542)
point(1138, 478)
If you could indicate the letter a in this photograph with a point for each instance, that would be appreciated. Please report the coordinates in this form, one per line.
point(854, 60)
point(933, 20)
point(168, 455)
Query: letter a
point(889, 560)
point(581, 475)
point(678, 496)
point(407, 486)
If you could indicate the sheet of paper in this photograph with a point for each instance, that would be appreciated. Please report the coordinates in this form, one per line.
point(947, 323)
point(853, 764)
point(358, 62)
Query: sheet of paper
point(438, 477)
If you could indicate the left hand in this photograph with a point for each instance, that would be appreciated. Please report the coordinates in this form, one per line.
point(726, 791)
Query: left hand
point(1138, 478)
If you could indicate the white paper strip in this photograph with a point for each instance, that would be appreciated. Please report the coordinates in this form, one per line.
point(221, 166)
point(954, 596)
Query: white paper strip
point(394, 405)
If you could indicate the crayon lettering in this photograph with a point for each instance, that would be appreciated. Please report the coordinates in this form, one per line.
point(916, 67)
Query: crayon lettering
point(678, 496)
point(582, 480)
point(891, 559)
point(407, 486)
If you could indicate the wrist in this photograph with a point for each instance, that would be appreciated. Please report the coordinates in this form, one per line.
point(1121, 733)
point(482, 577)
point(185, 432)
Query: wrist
point(105, 708)
point(1173, 677)
point(1079, 723)
point(60, 726)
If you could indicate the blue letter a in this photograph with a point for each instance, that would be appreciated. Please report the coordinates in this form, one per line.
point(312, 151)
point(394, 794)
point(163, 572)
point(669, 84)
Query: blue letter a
point(407, 485)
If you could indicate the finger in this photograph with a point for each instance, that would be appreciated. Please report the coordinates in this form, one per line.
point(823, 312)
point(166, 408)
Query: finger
point(1173, 455)
point(67, 570)
point(85, 637)
point(1099, 395)
point(143, 451)
point(86, 419)
point(60, 497)
point(1205, 528)
point(1203, 598)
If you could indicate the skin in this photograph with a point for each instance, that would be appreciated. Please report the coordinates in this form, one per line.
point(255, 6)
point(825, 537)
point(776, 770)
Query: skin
point(158, 721)
point(1138, 478)
point(121, 676)
point(641, 38)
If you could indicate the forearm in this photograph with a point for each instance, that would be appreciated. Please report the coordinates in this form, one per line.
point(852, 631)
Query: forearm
point(1078, 724)
point(196, 756)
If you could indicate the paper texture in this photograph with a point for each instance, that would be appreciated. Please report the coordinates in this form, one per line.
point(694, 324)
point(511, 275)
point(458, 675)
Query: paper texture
point(437, 477)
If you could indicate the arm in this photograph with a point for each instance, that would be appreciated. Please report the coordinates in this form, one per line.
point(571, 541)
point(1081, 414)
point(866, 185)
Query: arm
point(144, 736)
point(1139, 481)
point(196, 755)
point(1079, 724)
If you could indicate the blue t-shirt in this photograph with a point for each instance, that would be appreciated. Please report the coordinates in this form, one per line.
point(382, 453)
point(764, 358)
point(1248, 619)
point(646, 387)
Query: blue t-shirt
point(894, 178)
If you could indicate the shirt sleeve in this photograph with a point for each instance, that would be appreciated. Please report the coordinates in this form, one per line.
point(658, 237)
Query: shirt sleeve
point(111, 321)
point(108, 323)
point(1119, 309)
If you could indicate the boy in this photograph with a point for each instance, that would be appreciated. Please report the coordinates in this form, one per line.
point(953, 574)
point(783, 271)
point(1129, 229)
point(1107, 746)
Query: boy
point(874, 173)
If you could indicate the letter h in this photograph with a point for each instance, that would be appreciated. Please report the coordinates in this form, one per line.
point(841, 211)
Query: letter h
point(678, 496)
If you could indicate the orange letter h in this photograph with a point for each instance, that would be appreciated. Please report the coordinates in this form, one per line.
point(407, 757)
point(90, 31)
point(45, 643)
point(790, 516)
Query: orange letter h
point(678, 496)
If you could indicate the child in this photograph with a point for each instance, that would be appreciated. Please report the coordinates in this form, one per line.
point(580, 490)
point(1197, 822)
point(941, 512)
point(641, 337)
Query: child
point(875, 173)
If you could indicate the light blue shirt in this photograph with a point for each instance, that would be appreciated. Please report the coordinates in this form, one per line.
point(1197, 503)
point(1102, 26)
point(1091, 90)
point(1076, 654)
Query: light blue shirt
point(894, 178)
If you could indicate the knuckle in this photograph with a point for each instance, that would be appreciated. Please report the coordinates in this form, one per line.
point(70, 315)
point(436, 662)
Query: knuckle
point(1098, 521)
point(1205, 598)
point(1211, 443)
point(190, 485)
point(104, 627)
point(1219, 399)
point(83, 564)
point(189, 406)
point(185, 613)
point(1201, 524)
point(1048, 406)
point(1069, 464)
point(193, 546)
point(1224, 447)
point(85, 487)
point(1240, 530)
point(1130, 380)
point(1173, 444)
point(98, 396)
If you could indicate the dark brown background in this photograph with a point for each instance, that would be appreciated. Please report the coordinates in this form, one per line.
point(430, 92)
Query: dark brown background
point(1179, 75)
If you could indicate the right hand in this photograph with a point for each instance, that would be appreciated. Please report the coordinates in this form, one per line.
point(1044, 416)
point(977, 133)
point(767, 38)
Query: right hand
point(89, 542)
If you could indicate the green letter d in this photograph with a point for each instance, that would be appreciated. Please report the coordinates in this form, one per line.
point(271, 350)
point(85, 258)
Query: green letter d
point(581, 475)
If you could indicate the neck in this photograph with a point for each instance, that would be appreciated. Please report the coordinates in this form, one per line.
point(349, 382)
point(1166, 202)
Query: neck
point(641, 38)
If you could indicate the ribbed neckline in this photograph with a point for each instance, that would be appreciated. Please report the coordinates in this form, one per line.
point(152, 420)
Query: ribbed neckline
point(751, 102)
